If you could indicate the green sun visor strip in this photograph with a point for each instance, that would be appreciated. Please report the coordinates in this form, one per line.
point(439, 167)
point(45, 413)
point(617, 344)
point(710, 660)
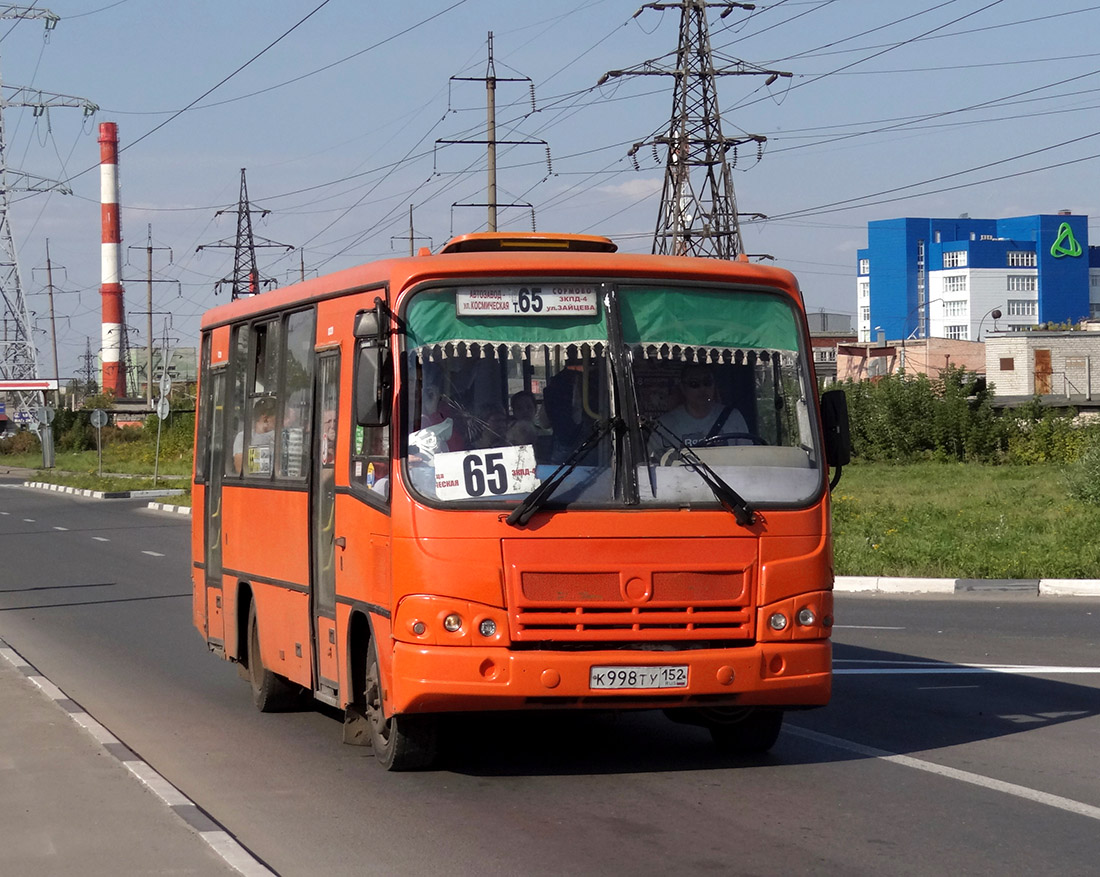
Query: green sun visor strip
point(652, 316)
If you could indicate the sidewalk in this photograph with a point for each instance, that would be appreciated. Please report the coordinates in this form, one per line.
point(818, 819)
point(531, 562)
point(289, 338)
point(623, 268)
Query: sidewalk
point(69, 803)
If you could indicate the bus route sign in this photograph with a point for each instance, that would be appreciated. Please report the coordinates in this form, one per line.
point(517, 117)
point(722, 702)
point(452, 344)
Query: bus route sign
point(555, 300)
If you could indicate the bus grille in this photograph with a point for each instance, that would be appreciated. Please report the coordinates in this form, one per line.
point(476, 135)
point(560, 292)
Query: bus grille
point(672, 606)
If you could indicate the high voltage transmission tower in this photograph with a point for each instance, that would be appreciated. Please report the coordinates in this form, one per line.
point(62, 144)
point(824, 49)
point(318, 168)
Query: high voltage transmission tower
point(698, 213)
point(245, 279)
point(19, 357)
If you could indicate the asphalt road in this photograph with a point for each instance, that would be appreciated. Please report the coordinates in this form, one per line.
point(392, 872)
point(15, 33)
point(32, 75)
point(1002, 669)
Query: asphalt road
point(962, 737)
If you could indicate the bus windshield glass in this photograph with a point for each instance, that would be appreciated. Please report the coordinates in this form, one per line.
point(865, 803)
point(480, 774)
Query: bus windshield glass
point(634, 388)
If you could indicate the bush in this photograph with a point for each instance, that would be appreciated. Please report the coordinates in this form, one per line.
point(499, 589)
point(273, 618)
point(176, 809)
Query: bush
point(23, 442)
point(1083, 476)
point(905, 418)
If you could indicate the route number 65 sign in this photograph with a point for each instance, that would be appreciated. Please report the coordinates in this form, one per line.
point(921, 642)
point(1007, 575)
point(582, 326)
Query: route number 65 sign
point(485, 473)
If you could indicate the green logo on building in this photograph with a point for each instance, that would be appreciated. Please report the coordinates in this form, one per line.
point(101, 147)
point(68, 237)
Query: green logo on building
point(1066, 244)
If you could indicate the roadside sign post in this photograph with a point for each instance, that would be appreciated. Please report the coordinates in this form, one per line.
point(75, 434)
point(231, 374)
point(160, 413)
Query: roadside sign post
point(44, 416)
point(99, 420)
point(162, 414)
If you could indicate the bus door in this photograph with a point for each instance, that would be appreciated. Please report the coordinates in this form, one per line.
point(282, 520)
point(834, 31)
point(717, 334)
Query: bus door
point(323, 524)
point(212, 510)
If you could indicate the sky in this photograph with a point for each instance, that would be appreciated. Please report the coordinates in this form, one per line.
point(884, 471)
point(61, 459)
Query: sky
point(336, 108)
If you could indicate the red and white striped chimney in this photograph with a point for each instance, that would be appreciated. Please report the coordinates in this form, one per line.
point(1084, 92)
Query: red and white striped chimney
point(114, 321)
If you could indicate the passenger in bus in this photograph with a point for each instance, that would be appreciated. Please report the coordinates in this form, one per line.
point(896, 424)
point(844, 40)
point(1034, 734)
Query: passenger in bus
point(433, 433)
point(563, 401)
point(494, 427)
point(261, 442)
point(522, 430)
point(700, 415)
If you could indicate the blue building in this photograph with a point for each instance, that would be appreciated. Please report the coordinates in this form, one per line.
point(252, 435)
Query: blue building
point(957, 278)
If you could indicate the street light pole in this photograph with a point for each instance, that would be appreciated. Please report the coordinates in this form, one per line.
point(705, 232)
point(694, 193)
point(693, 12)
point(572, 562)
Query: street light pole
point(995, 312)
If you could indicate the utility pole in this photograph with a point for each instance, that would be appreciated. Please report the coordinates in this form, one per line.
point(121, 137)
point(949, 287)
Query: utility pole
point(413, 237)
point(19, 356)
point(491, 79)
point(698, 213)
point(53, 323)
point(149, 281)
point(245, 280)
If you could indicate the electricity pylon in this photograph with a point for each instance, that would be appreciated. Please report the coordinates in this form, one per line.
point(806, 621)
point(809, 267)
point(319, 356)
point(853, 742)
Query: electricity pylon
point(19, 356)
point(245, 279)
point(698, 214)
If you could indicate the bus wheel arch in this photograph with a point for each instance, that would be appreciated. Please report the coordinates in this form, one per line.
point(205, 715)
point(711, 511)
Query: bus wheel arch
point(400, 742)
point(270, 691)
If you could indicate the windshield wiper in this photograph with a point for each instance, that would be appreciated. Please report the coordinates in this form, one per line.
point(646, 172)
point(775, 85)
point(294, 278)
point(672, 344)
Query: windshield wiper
point(730, 499)
point(531, 503)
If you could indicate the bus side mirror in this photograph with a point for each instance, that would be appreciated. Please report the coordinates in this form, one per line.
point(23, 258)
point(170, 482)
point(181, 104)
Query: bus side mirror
point(373, 382)
point(834, 419)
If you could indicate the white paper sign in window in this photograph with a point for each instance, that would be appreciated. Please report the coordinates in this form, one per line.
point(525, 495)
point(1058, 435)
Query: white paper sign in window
point(485, 473)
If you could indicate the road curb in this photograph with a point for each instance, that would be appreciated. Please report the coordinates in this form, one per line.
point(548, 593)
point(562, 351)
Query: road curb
point(903, 585)
point(102, 494)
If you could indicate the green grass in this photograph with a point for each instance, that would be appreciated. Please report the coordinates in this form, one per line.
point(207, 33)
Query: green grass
point(956, 520)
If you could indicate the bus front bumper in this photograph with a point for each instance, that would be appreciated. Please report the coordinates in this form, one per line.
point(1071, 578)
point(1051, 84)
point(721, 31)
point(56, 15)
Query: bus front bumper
point(427, 679)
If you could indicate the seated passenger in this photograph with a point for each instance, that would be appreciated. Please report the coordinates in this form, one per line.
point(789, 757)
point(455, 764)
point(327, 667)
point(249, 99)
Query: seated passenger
point(700, 415)
point(523, 430)
point(261, 441)
point(494, 426)
point(432, 431)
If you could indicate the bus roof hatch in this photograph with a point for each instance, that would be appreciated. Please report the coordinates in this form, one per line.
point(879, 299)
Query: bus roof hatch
point(519, 241)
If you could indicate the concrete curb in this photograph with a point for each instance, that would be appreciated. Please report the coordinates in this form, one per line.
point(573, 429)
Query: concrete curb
point(1026, 587)
point(166, 507)
point(102, 494)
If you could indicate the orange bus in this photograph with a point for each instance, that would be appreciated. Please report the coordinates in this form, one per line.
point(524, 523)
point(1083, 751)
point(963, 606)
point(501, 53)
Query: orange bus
point(524, 472)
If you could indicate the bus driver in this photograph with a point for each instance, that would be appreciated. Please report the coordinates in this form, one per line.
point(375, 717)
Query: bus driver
point(700, 415)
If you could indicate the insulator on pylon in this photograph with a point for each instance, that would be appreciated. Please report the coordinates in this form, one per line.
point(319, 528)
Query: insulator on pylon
point(549, 164)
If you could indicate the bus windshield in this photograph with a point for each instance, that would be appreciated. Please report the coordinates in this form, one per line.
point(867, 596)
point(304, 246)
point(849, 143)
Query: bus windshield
point(637, 389)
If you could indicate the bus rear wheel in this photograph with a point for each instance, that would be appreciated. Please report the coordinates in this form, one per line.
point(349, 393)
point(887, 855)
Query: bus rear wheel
point(270, 692)
point(749, 731)
point(401, 742)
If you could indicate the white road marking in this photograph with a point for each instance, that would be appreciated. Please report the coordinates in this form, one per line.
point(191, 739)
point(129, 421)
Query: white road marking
point(101, 539)
point(910, 668)
point(863, 627)
point(29, 520)
point(153, 553)
point(945, 687)
point(964, 776)
point(62, 529)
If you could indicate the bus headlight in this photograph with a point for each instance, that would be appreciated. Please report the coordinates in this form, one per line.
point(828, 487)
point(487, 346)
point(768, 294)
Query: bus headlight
point(806, 617)
point(487, 628)
point(452, 623)
point(777, 621)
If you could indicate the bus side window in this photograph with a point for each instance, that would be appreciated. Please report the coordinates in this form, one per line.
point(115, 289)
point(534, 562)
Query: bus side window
point(370, 445)
point(294, 429)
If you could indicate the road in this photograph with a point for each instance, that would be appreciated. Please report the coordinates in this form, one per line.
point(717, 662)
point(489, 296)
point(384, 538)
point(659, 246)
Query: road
point(961, 738)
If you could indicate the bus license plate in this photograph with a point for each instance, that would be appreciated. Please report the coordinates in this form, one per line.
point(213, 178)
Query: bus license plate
point(674, 676)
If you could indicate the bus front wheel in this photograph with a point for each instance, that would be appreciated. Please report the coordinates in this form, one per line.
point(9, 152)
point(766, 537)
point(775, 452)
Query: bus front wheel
point(402, 742)
point(270, 691)
point(748, 732)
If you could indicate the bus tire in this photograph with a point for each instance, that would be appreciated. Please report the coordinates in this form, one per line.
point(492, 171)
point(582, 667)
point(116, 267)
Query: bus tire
point(402, 742)
point(748, 732)
point(270, 692)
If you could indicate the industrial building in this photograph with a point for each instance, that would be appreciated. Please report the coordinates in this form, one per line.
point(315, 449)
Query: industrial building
point(957, 278)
